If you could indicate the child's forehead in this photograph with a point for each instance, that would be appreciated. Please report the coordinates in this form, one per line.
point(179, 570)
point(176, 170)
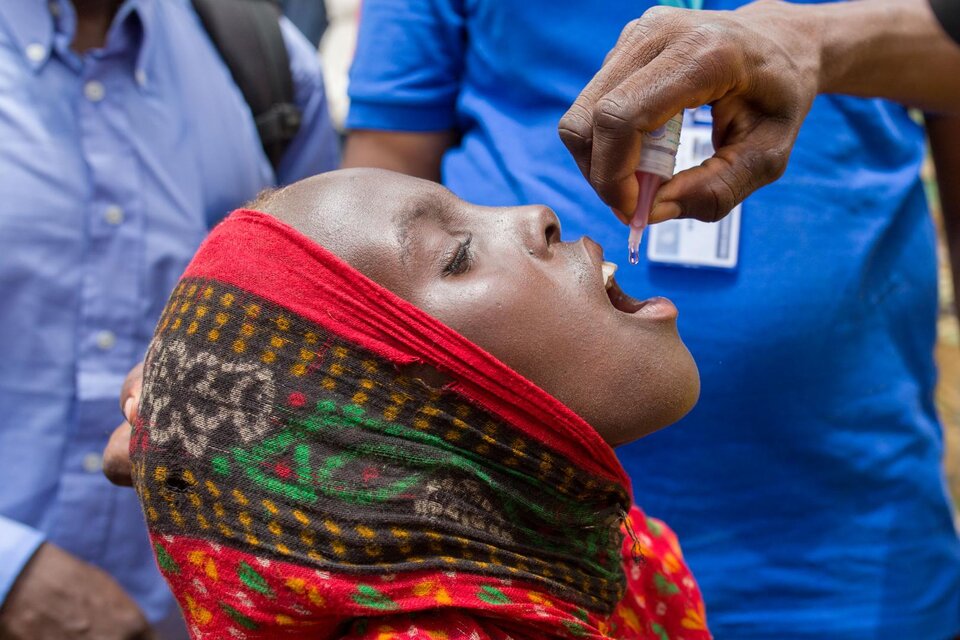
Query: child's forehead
point(364, 191)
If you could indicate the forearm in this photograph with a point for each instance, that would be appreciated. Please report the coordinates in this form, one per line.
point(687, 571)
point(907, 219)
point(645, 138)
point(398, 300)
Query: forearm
point(892, 49)
point(945, 145)
point(18, 543)
point(413, 153)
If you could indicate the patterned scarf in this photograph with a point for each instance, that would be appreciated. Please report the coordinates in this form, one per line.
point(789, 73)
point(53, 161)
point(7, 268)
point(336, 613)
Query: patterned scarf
point(297, 484)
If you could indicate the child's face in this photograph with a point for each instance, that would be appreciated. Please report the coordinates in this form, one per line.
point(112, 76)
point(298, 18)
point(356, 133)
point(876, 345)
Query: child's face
point(503, 278)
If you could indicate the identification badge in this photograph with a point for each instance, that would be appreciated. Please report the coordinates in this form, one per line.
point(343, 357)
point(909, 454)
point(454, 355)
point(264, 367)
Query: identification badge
point(691, 243)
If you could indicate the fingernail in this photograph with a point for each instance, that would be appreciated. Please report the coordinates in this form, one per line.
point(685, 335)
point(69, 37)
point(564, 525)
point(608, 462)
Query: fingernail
point(620, 214)
point(665, 211)
point(128, 408)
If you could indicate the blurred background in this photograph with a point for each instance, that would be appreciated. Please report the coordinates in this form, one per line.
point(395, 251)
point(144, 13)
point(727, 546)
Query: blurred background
point(948, 346)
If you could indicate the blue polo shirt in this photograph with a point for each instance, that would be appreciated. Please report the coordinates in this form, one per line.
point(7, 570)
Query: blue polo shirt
point(806, 486)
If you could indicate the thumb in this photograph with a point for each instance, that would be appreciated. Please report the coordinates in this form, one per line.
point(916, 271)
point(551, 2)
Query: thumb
point(711, 190)
point(130, 393)
point(116, 457)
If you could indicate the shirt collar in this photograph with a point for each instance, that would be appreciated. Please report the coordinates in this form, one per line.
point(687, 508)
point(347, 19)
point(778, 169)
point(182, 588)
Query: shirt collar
point(34, 25)
point(135, 26)
point(30, 24)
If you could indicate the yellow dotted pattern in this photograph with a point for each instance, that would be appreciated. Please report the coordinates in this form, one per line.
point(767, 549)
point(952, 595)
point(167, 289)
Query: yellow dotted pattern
point(225, 317)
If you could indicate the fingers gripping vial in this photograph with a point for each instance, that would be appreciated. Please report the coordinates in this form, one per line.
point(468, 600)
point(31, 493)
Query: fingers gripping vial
point(658, 157)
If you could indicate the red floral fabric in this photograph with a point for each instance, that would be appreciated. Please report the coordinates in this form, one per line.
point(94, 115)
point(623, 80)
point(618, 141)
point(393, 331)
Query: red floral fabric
point(223, 589)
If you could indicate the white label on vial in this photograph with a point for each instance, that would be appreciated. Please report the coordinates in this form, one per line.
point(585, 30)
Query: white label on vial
point(658, 148)
point(666, 137)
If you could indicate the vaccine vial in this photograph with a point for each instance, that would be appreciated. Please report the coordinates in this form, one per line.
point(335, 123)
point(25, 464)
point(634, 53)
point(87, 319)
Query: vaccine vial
point(658, 158)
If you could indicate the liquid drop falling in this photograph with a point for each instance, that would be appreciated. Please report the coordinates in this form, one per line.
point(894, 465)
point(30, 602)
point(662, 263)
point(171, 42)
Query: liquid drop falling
point(633, 244)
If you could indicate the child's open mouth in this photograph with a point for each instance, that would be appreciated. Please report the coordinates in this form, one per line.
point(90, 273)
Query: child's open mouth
point(620, 300)
point(656, 307)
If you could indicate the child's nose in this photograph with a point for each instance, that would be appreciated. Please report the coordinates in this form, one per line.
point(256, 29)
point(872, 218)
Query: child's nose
point(540, 228)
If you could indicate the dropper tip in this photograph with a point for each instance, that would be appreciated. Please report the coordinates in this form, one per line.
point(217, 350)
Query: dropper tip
point(633, 244)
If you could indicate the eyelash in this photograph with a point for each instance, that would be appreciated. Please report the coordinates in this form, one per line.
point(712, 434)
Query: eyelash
point(459, 261)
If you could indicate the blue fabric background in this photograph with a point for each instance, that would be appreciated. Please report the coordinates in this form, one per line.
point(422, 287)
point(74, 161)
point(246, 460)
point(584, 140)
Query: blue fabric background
point(806, 486)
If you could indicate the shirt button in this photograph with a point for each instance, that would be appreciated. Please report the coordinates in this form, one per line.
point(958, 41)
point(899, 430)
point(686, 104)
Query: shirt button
point(36, 52)
point(113, 214)
point(106, 340)
point(54, 9)
point(94, 91)
point(141, 77)
point(93, 462)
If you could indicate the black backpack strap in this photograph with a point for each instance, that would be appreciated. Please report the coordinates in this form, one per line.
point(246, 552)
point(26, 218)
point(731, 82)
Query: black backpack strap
point(247, 35)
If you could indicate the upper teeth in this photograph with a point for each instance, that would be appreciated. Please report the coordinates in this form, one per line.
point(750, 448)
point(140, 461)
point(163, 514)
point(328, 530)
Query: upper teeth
point(608, 269)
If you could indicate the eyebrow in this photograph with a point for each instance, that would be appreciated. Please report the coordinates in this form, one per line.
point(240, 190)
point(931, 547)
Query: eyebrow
point(405, 221)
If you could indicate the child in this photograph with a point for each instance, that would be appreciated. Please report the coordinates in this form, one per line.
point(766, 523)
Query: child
point(372, 410)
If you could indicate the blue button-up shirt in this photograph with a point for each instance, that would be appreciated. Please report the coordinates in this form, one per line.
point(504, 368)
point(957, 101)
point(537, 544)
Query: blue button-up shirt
point(113, 166)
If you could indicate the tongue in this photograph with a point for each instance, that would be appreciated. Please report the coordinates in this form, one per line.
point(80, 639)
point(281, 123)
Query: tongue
point(623, 302)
